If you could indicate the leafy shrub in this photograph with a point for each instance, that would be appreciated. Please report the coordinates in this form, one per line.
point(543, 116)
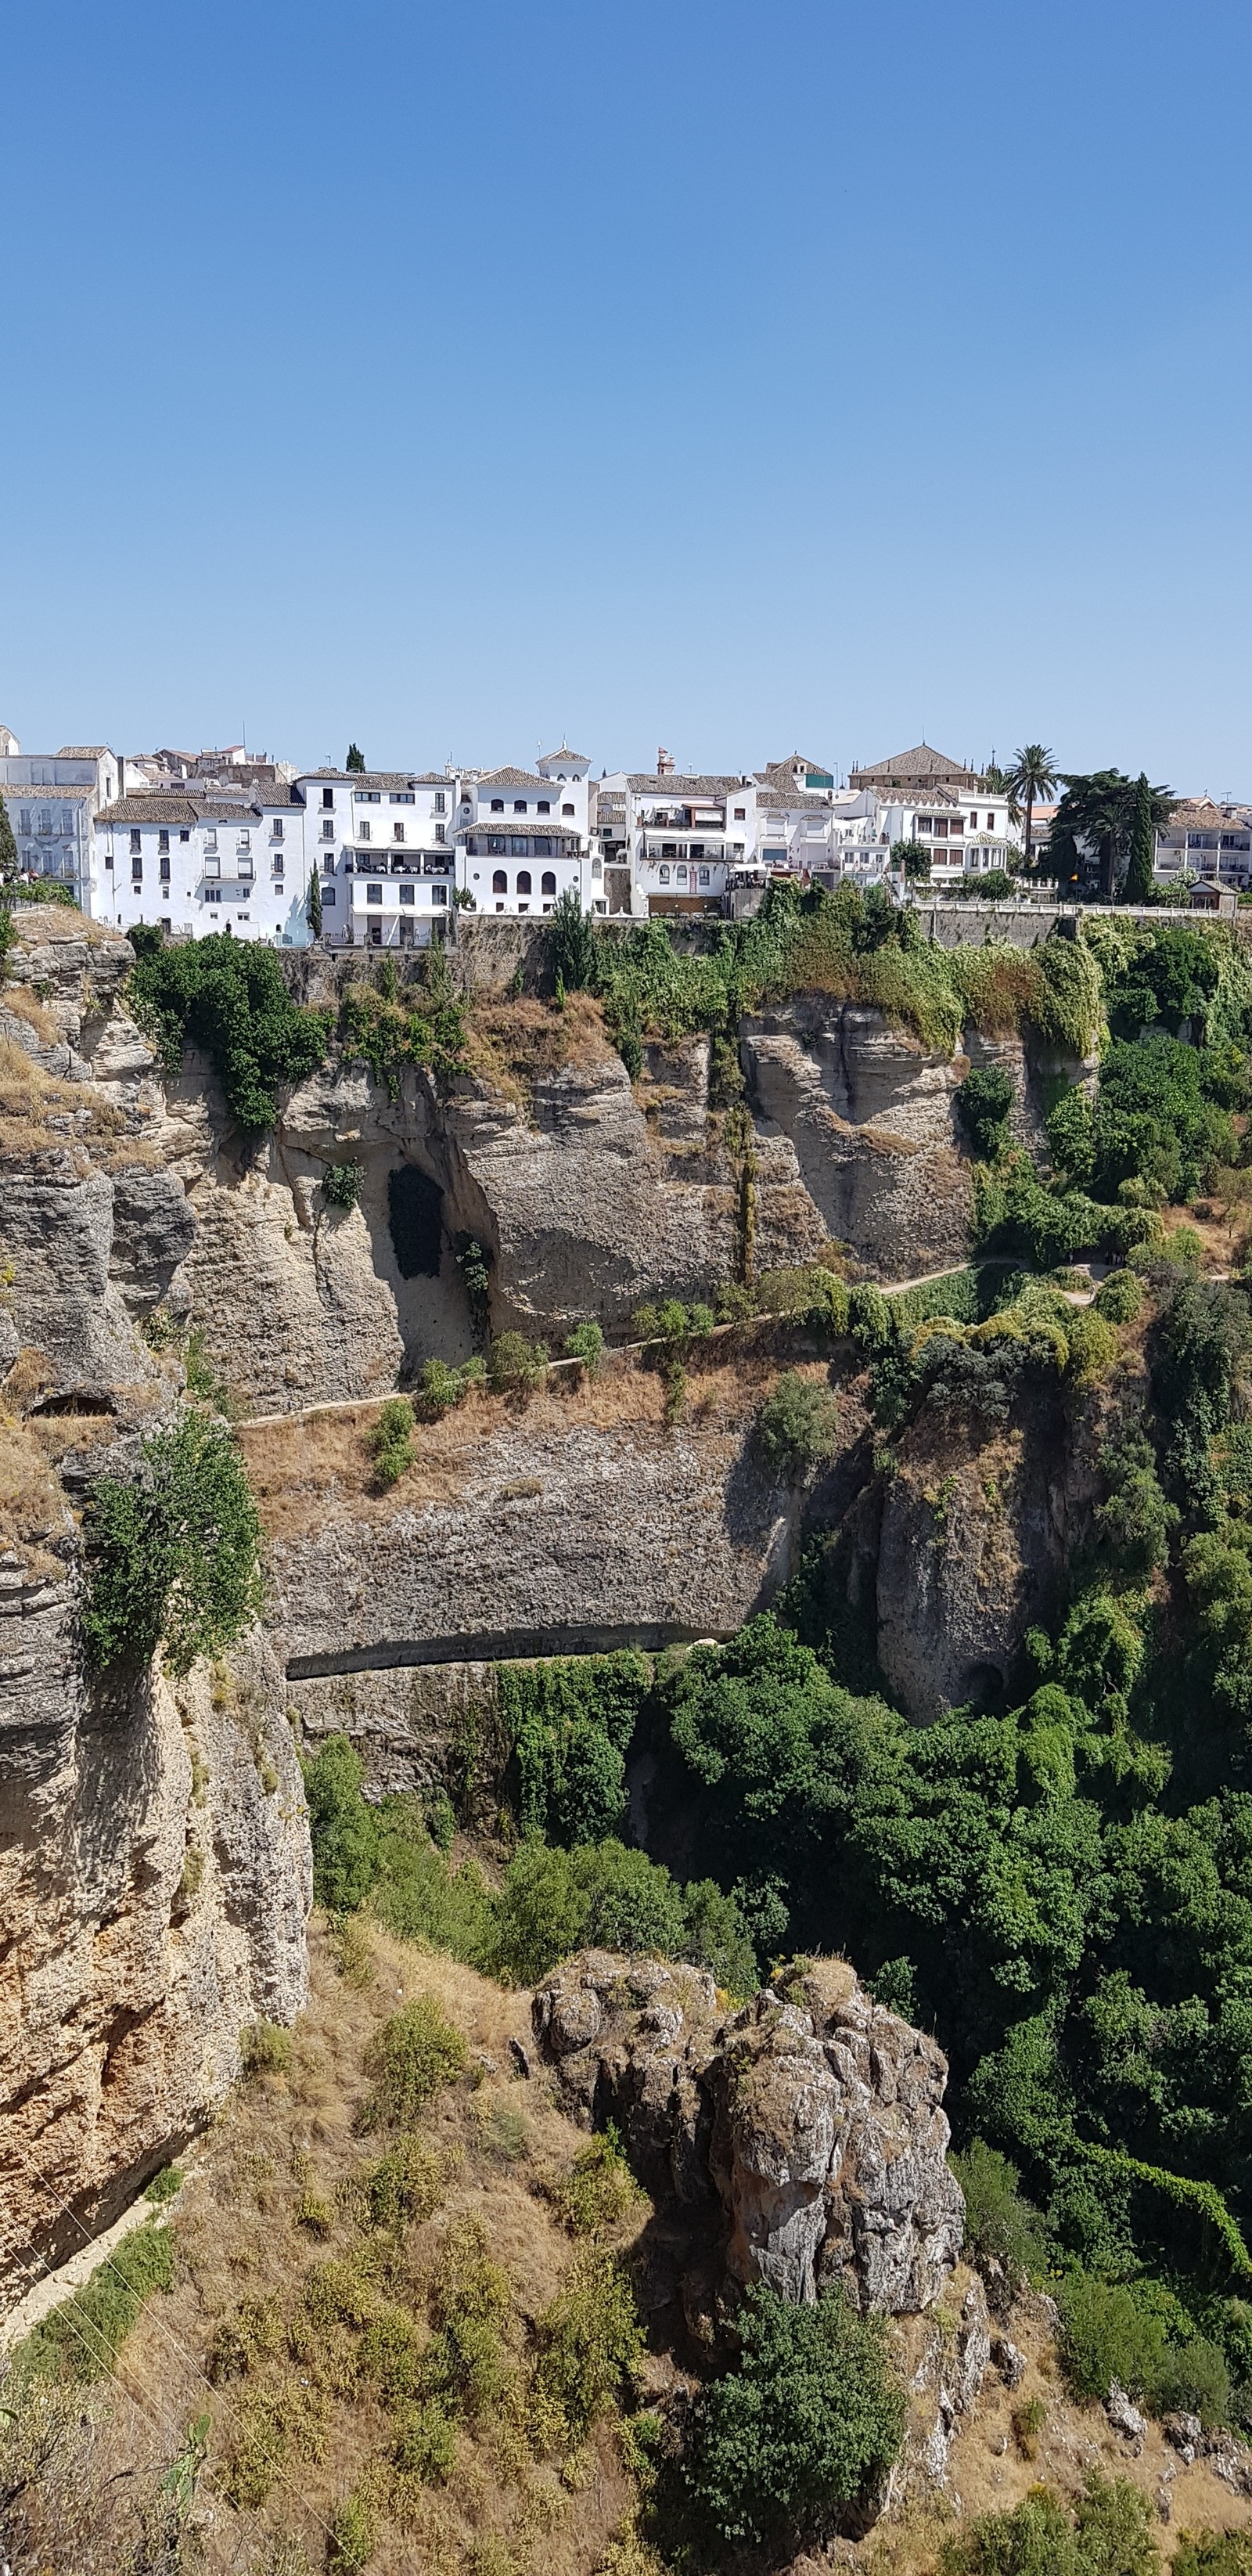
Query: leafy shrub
point(810, 2420)
point(799, 1423)
point(515, 1362)
point(982, 1103)
point(265, 2048)
point(443, 1386)
point(733, 1304)
point(1028, 2421)
point(228, 996)
point(590, 2344)
point(172, 1554)
point(391, 1442)
point(701, 1321)
point(164, 2185)
point(413, 2056)
point(406, 2185)
point(1120, 1297)
point(351, 2540)
point(1000, 2224)
point(1107, 2334)
point(570, 1722)
point(465, 2366)
point(344, 1829)
point(389, 1032)
point(810, 1293)
point(869, 1318)
point(671, 1319)
point(1111, 2535)
point(643, 1323)
point(586, 1343)
point(1093, 1346)
point(341, 1184)
point(425, 2444)
point(1213, 2553)
point(599, 2190)
point(81, 2340)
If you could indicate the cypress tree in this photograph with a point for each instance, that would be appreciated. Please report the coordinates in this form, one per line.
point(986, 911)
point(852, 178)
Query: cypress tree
point(8, 848)
point(313, 903)
point(355, 759)
point(1142, 844)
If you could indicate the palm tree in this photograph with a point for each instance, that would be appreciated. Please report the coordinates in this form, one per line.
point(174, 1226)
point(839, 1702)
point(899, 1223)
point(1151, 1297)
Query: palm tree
point(1030, 781)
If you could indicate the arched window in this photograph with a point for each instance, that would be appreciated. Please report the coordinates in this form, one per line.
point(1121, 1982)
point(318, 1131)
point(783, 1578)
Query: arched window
point(663, 875)
point(548, 885)
point(519, 804)
point(500, 882)
point(597, 868)
point(523, 881)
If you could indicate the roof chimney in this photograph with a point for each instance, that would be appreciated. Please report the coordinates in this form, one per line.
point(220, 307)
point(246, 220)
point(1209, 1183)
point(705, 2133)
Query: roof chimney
point(664, 764)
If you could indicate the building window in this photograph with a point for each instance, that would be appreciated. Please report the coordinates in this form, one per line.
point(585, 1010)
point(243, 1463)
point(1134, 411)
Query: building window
point(328, 896)
point(704, 876)
point(328, 864)
point(523, 881)
point(328, 796)
point(184, 836)
point(163, 844)
point(519, 846)
point(277, 863)
point(567, 809)
point(548, 882)
point(212, 894)
point(495, 845)
point(597, 867)
point(519, 804)
point(163, 865)
point(408, 894)
point(663, 876)
point(166, 923)
point(497, 804)
point(541, 846)
point(499, 882)
point(328, 831)
point(439, 894)
point(136, 844)
point(373, 894)
point(543, 807)
point(440, 805)
point(681, 874)
point(367, 796)
point(276, 831)
point(439, 832)
point(741, 813)
point(375, 934)
point(401, 796)
point(397, 831)
point(362, 831)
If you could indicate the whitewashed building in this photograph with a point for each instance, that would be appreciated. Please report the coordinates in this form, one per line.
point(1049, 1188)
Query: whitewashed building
point(948, 807)
point(52, 800)
point(675, 839)
point(1204, 840)
point(522, 836)
point(382, 842)
point(192, 864)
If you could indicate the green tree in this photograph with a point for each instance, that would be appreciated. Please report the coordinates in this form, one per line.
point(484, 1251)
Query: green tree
point(228, 996)
point(313, 903)
point(572, 944)
point(173, 1552)
point(356, 759)
point(1099, 811)
point(1142, 844)
point(1030, 781)
point(811, 2419)
point(913, 857)
point(8, 848)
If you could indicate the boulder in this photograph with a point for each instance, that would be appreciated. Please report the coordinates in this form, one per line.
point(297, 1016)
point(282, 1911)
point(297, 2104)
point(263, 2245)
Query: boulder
point(806, 2130)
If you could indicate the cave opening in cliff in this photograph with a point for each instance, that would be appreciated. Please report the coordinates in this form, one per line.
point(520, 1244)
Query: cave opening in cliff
point(415, 1216)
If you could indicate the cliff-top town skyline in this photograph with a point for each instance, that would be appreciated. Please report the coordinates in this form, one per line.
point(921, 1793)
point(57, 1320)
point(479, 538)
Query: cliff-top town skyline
point(195, 842)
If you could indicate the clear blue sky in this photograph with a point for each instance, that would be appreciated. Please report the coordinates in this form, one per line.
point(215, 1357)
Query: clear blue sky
point(736, 378)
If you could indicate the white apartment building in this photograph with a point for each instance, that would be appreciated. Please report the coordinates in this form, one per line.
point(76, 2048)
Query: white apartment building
point(52, 799)
point(522, 837)
point(382, 842)
point(192, 864)
point(923, 796)
point(674, 840)
point(1206, 841)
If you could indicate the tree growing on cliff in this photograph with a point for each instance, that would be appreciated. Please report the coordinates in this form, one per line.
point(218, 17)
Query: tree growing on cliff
point(8, 848)
point(173, 1553)
point(811, 2419)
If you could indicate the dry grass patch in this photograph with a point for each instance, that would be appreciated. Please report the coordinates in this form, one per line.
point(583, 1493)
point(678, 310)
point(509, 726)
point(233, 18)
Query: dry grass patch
point(39, 1112)
point(374, 2314)
point(32, 1505)
point(513, 1045)
point(21, 1004)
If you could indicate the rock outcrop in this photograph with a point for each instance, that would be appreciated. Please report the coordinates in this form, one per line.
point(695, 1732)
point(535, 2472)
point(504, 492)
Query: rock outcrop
point(808, 2126)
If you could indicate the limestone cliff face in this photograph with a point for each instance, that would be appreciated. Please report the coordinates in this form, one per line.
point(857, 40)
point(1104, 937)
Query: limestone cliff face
point(154, 1863)
point(808, 2128)
point(154, 1886)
